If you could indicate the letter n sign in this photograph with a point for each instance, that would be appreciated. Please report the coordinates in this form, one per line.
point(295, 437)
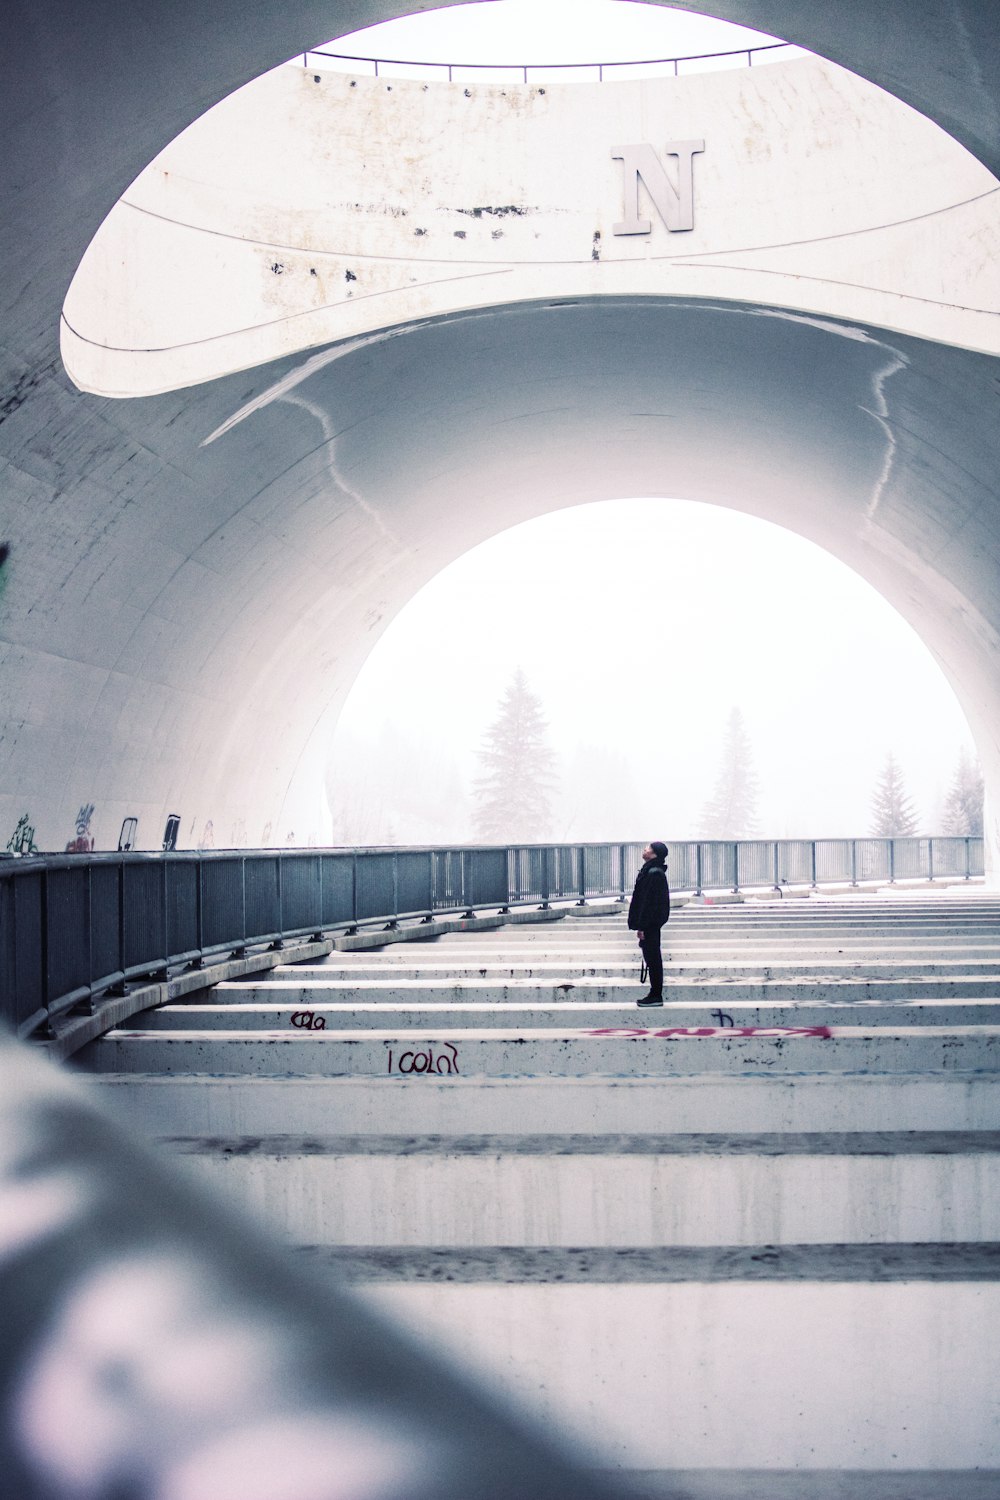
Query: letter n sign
point(675, 206)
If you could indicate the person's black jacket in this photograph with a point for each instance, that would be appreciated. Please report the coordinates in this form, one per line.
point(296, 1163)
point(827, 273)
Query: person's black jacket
point(650, 904)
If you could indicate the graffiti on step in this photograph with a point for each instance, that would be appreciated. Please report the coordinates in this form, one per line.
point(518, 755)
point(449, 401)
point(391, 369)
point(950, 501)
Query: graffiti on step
point(426, 1062)
point(308, 1020)
point(722, 1018)
point(22, 840)
point(725, 1031)
point(83, 843)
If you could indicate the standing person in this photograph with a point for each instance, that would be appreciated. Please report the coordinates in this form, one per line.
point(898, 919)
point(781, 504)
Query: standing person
point(648, 910)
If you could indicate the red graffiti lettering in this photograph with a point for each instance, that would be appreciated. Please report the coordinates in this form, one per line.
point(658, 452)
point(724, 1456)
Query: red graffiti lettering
point(723, 1031)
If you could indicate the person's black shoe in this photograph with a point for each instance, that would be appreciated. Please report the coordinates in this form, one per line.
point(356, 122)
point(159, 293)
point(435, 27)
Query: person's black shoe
point(650, 999)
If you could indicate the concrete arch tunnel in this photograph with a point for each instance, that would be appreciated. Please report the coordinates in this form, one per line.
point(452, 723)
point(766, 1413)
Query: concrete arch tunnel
point(196, 575)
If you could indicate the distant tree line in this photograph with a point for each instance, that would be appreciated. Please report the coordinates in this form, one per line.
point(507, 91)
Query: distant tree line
point(893, 815)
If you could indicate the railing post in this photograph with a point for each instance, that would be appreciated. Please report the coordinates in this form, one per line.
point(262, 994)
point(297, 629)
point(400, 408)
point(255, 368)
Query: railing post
point(583, 877)
point(812, 862)
point(317, 936)
point(241, 946)
point(120, 988)
point(199, 916)
point(44, 934)
point(854, 862)
point(546, 851)
point(968, 858)
point(90, 932)
point(775, 867)
point(279, 941)
point(930, 859)
point(697, 869)
point(736, 867)
point(892, 861)
point(166, 914)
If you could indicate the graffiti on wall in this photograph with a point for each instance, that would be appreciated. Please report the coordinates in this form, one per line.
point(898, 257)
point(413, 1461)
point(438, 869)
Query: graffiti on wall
point(722, 1031)
point(308, 1020)
point(22, 840)
point(427, 1061)
point(83, 842)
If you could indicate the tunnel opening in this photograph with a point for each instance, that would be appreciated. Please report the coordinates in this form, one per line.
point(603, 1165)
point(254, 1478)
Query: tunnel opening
point(639, 626)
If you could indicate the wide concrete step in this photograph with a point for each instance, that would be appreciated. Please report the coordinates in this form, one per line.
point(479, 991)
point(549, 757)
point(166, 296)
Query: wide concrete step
point(723, 944)
point(620, 1051)
point(596, 963)
point(574, 1190)
point(315, 1012)
point(682, 932)
point(228, 1106)
point(878, 1391)
point(623, 990)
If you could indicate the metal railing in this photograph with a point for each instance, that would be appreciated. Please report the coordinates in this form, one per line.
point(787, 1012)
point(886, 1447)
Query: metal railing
point(575, 72)
point(79, 926)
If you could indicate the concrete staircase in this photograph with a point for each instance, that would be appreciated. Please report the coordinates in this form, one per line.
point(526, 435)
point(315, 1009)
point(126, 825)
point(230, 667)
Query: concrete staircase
point(746, 1244)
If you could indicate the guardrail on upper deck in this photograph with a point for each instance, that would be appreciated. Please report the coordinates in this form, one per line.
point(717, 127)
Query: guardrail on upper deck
point(74, 927)
point(596, 72)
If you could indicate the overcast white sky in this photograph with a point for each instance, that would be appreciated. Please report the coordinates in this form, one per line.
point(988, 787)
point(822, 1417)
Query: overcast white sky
point(828, 676)
point(549, 31)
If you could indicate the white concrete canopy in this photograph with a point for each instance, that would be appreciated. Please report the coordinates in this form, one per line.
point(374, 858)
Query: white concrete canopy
point(182, 617)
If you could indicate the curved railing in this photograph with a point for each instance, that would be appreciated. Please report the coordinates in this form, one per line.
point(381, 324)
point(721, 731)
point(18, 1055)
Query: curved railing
point(599, 72)
point(74, 927)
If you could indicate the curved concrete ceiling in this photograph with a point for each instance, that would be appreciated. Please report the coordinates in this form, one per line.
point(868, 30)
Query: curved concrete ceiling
point(317, 206)
point(179, 618)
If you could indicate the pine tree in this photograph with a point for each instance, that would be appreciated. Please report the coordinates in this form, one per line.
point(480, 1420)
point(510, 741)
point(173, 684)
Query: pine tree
point(963, 810)
point(513, 794)
point(892, 808)
point(732, 811)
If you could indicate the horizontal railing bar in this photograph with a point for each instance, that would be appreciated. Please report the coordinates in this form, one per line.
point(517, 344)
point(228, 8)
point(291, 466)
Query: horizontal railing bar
point(523, 68)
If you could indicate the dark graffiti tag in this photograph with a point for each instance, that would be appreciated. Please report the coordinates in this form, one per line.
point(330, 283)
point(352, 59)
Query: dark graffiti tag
point(722, 1018)
point(308, 1020)
point(426, 1062)
point(725, 1031)
point(22, 840)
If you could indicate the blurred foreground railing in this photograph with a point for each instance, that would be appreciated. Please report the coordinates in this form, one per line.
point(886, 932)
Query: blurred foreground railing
point(75, 927)
point(156, 1348)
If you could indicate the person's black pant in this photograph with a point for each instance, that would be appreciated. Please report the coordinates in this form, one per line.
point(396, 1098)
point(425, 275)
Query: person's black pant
point(650, 946)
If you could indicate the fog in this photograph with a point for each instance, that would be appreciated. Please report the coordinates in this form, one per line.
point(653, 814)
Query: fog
point(640, 624)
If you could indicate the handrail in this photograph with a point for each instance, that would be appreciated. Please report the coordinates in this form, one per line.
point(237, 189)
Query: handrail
point(524, 69)
point(74, 927)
